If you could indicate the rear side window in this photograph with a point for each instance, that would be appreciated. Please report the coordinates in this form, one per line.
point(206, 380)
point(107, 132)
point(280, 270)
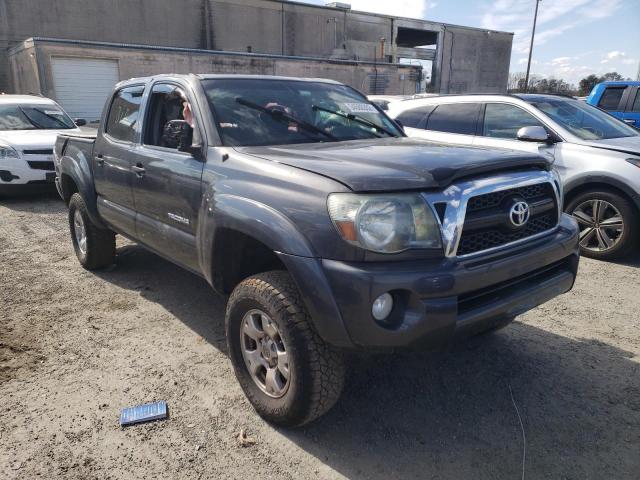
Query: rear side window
point(504, 121)
point(123, 113)
point(611, 98)
point(636, 103)
point(454, 118)
point(413, 118)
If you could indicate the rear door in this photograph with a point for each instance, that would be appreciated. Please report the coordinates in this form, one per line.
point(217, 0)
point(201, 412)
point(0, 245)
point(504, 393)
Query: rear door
point(499, 127)
point(167, 182)
point(632, 112)
point(112, 157)
point(614, 99)
point(453, 123)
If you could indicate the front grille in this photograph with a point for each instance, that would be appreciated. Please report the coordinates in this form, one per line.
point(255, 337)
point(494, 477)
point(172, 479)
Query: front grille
point(41, 165)
point(486, 222)
point(44, 151)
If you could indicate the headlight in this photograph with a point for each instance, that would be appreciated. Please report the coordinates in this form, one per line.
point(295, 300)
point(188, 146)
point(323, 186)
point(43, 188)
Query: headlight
point(6, 152)
point(384, 223)
point(559, 186)
point(634, 161)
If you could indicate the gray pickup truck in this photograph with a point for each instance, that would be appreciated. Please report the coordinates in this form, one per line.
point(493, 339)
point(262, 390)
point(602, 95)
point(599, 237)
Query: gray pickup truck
point(328, 228)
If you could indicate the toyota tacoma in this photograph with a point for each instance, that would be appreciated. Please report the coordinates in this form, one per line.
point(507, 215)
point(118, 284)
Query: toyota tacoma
point(326, 226)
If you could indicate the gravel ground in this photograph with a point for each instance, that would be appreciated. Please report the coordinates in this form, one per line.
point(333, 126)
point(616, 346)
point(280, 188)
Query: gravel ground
point(77, 346)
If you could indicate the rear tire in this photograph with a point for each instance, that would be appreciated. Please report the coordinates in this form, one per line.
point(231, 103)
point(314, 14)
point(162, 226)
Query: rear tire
point(608, 221)
point(270, 333)
point(95, 247)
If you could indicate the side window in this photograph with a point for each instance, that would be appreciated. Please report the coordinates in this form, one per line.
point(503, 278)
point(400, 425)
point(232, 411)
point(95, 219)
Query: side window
point(166, 103)
point(636, 103)
point(123, 113)
point(504, 121)
point(413, 118)
point(611, 97)
point(454, 118)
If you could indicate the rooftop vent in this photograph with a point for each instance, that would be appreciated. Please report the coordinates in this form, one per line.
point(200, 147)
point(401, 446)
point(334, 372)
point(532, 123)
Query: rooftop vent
point(342, 5)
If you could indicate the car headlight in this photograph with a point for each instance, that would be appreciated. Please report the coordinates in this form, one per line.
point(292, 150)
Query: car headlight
point(559, 186)
point(6, 152)
point(634, 161)
point(386, 223)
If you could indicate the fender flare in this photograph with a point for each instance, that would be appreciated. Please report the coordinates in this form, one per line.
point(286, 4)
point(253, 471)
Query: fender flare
point(79, 171)
point(251, 218)
point(603, 179)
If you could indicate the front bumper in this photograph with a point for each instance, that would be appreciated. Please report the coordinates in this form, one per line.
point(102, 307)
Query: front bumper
point(441, 299)
point(18, 177)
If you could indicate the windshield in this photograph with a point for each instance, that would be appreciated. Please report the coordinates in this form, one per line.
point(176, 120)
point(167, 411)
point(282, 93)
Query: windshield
point(583, 120)
point(34, 117)
point(252, 112)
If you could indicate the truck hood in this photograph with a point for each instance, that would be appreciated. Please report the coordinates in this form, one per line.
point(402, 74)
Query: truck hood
point(32, 139)
point(395, 163)
point(625, 144)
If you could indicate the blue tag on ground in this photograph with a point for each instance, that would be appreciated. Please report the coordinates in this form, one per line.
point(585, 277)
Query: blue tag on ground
point(143, 413)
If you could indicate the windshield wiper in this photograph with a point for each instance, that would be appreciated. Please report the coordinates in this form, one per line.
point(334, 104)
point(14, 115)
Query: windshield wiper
point(52, 117)
point(355, 118)
point(31, 120)
point(280, 114)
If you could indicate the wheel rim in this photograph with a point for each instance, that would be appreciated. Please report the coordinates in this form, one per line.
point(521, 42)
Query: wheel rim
point(265, 353)
point(80, 232)
point(601, 225)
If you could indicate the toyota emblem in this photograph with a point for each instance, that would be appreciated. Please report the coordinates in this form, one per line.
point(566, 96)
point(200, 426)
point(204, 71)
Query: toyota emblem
point(519, 213)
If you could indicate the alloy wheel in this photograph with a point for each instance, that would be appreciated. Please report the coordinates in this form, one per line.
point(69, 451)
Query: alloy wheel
point(265, 353)
point(80, 232)
point(601, 225)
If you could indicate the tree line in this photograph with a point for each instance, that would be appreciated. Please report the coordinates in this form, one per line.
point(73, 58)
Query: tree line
point(539, 84)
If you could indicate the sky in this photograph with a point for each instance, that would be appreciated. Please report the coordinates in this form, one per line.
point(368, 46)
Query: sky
point(574, 38)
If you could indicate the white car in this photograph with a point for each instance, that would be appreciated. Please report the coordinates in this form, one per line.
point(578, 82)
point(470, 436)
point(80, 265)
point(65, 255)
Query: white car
point(383, 101)
point(596, 155)
point(29, 126)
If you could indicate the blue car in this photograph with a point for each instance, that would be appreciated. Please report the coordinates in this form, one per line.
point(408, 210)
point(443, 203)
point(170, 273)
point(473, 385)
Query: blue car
point(620, 99)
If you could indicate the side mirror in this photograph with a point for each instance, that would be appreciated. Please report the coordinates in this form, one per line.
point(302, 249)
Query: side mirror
point(533, 134)
point(80, 122)
point(178, 134)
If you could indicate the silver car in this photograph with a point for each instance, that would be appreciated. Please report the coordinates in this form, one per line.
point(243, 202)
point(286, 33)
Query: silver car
point(597, 155)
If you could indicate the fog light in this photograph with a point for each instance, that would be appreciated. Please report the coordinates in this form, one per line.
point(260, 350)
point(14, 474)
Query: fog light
point(382, 306)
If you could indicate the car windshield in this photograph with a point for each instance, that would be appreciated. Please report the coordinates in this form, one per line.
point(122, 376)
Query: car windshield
point(250, 112)
point(583, 120)
point(33, 117)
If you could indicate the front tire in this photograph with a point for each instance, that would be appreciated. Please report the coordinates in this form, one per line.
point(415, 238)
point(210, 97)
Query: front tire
point(95, 247)
point(608, 222)
point(288, 373)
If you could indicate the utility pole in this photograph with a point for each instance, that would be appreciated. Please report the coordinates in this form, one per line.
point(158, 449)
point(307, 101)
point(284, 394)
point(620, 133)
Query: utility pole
point(533, 32)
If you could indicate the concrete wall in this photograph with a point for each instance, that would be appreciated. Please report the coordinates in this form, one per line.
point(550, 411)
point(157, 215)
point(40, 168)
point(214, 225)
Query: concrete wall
point(267, 26)
point(31, 64)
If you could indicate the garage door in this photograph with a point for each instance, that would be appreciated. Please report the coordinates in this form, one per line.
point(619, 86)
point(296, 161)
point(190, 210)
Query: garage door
point(82, 85)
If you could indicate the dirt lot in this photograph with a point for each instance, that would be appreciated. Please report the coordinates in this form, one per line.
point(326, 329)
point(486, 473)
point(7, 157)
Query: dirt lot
point(76, 346)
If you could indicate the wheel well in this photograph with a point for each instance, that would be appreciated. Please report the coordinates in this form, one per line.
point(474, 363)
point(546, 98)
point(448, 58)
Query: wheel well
point(574, 192)
point(68, 187)
point(238, 256)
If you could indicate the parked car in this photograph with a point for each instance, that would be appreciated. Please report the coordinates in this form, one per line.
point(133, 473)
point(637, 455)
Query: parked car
point(620, 99)
point(329, 229)
point(29, 126)
point(597, 156)
point(383, 101)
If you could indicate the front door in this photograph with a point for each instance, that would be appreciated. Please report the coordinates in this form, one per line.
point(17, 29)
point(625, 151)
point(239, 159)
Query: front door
point(499, 128)
point(631, 115)
point(167, 182)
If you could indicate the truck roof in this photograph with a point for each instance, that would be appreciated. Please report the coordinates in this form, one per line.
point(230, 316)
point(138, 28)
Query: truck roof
point(207, 76)
point(621, 82)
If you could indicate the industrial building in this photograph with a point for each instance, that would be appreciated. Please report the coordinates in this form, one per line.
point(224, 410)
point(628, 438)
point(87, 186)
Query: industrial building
point(74, 50)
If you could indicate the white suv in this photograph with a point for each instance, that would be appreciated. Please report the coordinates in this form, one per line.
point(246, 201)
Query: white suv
point(597, 155)
point(29, 126)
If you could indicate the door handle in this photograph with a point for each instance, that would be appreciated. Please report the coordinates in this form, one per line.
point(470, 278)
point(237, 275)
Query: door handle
point(629, 122)
point(99, 160)
point(139, 170)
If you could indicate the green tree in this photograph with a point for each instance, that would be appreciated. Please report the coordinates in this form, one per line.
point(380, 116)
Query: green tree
point(611, 77)
point(586, 84)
